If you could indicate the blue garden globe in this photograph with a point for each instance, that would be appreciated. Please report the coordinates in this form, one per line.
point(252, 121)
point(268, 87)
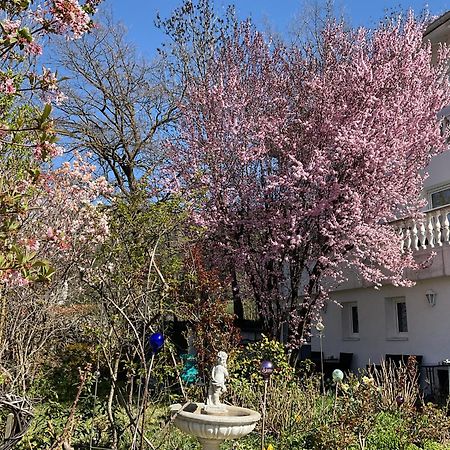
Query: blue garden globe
point(156, 341)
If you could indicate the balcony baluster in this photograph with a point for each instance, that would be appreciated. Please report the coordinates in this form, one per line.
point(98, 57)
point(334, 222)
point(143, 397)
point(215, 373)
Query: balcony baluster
point(437, 226)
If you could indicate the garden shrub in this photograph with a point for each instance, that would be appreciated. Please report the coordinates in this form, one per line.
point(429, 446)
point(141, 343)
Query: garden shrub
point(245, 362)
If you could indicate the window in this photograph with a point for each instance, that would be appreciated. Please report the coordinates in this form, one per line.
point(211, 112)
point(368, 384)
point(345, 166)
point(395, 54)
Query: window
point(350, 321)
point(396, 318)
point(355, 322)
point(402, 317)
point(439, 196)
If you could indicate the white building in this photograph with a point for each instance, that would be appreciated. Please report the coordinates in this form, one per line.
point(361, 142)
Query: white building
point(371, 323)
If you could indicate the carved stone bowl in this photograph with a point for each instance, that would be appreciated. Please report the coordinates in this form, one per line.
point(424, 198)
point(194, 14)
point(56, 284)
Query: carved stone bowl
point(211, 429)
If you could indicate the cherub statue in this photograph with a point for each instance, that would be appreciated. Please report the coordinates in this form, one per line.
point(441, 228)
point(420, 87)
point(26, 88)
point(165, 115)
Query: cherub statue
point(217, 383)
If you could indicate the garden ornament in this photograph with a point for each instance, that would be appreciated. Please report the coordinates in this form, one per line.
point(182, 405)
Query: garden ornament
point(214, 422)
point(217, 383)
point(156, 341)
point(337, 375)
point(266, 369)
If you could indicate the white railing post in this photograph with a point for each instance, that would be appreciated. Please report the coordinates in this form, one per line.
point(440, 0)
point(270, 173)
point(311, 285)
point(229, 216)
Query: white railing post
point(414, 236)
point(430, 233)
point(423, 234)
point(408, 238)
point(445, 223)
point(437, 226)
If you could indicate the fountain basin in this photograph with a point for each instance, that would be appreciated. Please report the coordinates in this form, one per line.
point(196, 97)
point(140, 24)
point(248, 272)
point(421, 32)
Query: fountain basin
point(234, 423)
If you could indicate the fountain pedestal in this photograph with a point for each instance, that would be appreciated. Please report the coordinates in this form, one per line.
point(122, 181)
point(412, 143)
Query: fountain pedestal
point(209, 444)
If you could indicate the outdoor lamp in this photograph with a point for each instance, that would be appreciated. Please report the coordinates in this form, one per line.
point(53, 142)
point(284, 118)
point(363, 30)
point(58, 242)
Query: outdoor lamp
point(431, 297)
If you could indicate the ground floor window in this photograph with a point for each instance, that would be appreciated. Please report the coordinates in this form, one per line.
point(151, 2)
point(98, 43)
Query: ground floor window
point(350, 321)
point(402, 317)
point(396, 318)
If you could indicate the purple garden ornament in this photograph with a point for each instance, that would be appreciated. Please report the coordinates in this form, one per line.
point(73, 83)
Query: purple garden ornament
point(156, 341)
point(400, 400)
point(266, 369)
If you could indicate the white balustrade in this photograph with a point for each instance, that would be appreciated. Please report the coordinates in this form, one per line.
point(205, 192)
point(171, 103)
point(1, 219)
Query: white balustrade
point(429, 231)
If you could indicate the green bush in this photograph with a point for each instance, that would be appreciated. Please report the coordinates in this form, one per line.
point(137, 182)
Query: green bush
point(245, 362)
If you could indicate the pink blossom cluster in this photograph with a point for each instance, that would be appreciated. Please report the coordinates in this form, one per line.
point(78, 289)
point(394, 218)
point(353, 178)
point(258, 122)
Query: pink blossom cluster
point(12, 35)
point(33, 48)
point(71, 192)
point(303, 158)
point(50, 91)
point(45, 227)
point(14, 278)
point(10, 28)
point(47, 150)
point(8, 86)
point(69, 16)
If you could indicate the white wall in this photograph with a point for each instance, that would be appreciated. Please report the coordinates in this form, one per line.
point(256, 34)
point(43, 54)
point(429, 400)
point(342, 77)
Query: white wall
point(428, 327)
point(438, 170)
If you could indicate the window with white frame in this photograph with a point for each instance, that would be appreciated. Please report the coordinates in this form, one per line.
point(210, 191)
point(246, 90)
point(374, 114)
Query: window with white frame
point(350, 321)
point(396, 318)
point(439, 196)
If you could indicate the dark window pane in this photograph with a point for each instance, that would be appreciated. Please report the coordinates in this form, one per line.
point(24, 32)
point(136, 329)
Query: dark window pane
point(440, 198)
point(402, 319)
point(355, 322)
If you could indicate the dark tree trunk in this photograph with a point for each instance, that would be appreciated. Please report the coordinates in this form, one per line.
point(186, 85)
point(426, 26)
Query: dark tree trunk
point(238, 307)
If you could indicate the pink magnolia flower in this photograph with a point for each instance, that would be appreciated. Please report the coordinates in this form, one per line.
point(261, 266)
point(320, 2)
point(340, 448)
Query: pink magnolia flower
point(47, 150)
point(69, 16)
point(33, 48)
point(8, 86)
point(10, 27)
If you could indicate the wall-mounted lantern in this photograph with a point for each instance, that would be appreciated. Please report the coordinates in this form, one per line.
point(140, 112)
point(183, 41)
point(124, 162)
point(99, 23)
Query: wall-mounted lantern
point(431, 297)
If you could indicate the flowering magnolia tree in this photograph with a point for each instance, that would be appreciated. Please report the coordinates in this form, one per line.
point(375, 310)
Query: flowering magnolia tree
point(297, 160)
point(65, 227)
point(63, 224)
point(27, 135)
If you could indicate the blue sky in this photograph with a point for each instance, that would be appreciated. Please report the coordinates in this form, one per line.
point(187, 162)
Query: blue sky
point(138, 15)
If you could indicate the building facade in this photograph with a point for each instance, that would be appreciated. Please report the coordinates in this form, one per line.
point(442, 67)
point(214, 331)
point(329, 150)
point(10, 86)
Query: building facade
point(372, 323)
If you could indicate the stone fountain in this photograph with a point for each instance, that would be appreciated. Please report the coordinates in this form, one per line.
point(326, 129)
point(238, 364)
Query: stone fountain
point(214, 421)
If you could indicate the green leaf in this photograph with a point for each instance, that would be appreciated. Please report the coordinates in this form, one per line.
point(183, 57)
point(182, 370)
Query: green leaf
point(40, 263)
point(46, 112)
point(26, 34)
point(14, 225)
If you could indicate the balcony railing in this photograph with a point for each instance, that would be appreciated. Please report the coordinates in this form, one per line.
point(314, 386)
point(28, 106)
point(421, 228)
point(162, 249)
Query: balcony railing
point(428, 232)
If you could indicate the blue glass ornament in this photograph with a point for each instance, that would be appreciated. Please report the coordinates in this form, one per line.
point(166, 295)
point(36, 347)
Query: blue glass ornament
point(156, 341)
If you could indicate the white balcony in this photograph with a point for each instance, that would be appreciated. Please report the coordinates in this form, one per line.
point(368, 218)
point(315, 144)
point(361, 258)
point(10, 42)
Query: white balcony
point(430, 231)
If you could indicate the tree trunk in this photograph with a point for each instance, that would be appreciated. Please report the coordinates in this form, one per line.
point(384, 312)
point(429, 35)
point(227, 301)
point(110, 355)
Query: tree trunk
point(238, 307)
point(112, 391)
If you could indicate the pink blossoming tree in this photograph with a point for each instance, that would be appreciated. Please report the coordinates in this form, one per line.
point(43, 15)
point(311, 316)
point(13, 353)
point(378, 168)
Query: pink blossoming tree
point(296, 160)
